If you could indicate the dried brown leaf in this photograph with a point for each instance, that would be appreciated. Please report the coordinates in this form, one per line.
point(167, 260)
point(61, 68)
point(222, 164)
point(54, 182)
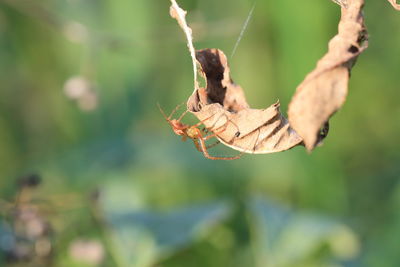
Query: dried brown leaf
point(324, 90)
point(394, 4)
point(223, 108)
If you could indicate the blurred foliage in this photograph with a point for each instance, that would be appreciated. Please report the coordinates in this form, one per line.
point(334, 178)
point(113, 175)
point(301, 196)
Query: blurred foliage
point(79, 85)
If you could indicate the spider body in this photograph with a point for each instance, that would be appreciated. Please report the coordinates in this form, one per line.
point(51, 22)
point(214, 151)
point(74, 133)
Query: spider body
point(197, 135)
point(183, 129)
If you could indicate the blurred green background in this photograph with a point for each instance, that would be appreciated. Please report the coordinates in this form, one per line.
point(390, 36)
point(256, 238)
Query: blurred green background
point(92, 175)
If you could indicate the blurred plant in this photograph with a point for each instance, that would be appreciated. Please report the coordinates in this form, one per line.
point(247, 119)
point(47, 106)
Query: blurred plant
point(90, 252)
point(25, 233)
point(142, 237)
point(279, 237)
point(80, 89)
point(286, 238)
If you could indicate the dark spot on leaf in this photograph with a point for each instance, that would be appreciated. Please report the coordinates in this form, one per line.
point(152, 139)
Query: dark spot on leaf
point(353, 49)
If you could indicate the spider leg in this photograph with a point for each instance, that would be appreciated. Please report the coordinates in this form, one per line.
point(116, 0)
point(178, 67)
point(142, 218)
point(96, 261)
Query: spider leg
point(202, 121)
point(168, 118)
point(183, 114)
point(213, 145)
point(205, 138)
point(175, 109)
point(222, 128)
point(207, 155)
point(197, 145)
point(162, 112)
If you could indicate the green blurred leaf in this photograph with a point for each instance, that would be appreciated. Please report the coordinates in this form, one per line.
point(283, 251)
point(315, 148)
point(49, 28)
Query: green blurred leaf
point(286, 238)
point(142, 237)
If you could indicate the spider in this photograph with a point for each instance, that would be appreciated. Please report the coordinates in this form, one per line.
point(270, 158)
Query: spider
point(193, 132)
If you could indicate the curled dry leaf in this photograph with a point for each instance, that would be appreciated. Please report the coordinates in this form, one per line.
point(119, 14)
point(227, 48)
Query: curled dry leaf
point(394, 4)
point(223, 109)
point(324, 90)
